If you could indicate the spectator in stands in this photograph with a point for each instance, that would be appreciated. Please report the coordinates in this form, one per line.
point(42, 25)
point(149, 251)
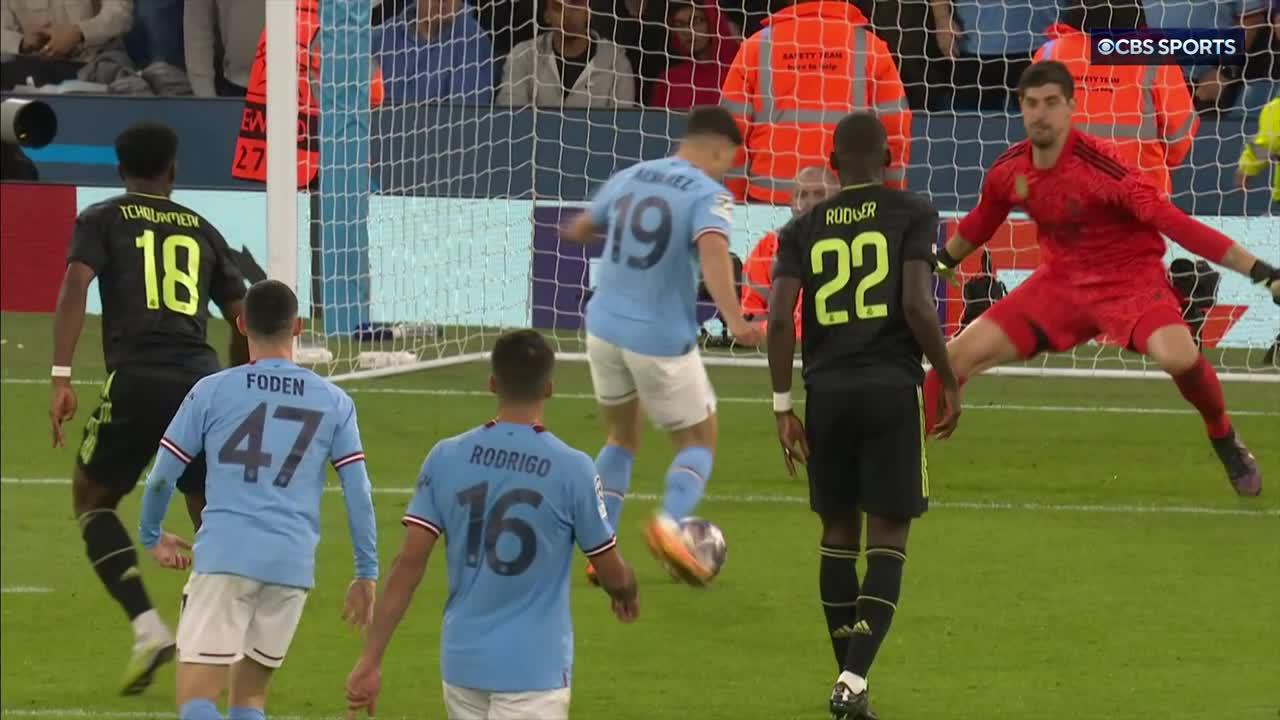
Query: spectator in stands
point(53, 39)
point(568, 65)
point(1264, 148)
point(703, 38)
point(157, 33)
point(1145, 109)
point(1214, 88)
point(233, 26)
point(639, 27)
point(813, 185)
point(790, 83)
point(988, 45)
point(435, 52)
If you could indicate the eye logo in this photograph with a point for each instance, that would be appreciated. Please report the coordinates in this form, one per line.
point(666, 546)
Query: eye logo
point(1106, 46)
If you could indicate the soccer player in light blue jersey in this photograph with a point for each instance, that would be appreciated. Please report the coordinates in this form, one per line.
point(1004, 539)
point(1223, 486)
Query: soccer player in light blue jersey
point(661, 219)
point(512, 501)
point(267, 430)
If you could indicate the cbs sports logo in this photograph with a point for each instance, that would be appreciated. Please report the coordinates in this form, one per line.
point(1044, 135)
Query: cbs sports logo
point(1168, 47)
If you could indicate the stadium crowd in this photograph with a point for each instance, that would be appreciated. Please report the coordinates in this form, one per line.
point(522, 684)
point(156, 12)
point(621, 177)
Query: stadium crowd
point(951, 54)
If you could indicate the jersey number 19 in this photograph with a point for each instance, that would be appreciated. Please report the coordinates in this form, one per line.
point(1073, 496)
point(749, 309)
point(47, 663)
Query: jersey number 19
point(188, 278)
point(847, 257)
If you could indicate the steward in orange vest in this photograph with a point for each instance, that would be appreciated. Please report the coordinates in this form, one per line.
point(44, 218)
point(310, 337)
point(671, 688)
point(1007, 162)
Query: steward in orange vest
point(250, 161)
point(1146, 110)
point(790, 84)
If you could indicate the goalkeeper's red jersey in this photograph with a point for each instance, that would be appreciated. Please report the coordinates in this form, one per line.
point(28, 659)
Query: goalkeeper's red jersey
point(1098, 219)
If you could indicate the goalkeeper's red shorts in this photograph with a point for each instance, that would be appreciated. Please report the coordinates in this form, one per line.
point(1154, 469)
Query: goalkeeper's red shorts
point(1047, 313)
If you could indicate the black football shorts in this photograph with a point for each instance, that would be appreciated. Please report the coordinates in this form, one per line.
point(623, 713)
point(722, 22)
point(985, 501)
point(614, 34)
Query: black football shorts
point(866, 451)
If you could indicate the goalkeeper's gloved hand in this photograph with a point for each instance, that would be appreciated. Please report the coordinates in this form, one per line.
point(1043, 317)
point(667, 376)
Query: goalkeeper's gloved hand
point(945, 267)
point(1268, 277)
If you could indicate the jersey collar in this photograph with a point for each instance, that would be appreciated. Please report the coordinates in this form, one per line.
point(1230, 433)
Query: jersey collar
point(536, 427)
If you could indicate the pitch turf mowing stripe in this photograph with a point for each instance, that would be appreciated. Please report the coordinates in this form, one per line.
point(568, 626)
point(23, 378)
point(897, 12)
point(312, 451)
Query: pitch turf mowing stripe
point(797, 500)
point(25, 590)
point(448, 392)
point(142, 715)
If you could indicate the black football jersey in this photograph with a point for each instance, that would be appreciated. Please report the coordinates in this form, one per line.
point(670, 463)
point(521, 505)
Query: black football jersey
point(158, 265)
point(849, 252)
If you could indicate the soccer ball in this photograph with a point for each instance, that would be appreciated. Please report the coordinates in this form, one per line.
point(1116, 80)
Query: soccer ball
point(705, 540)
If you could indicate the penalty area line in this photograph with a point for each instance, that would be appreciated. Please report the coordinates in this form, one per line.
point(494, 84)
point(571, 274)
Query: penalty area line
point(756, 499)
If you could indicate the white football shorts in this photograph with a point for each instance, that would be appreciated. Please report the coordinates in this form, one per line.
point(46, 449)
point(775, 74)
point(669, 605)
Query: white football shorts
point(467, 704)
point(227, 617)
point(674, 391)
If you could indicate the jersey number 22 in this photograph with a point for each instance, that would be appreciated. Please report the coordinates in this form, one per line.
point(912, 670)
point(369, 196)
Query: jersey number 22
point(850, 256)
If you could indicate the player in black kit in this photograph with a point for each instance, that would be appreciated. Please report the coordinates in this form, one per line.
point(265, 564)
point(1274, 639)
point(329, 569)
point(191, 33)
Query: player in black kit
point(158, 264)
point(864, 259)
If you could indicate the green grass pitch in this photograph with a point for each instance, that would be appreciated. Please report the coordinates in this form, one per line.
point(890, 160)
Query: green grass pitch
point(1085, 558)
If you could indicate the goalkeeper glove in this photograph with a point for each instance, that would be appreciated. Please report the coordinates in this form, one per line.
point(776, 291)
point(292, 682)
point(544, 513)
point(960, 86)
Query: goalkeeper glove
point(1268, 277)
point(945, 267)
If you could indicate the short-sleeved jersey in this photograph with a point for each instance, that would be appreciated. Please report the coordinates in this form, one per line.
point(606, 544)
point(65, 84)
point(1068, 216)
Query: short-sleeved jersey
point(1096, 216)
point(849, 252)
point(268, 430)
point(512, 501)
point(158, 265)
point(646, 291)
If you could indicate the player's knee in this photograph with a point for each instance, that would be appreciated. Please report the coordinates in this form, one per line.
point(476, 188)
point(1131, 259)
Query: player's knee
point(87, 496)
point(887, 531)
point(1173, 349)
point(841, 531)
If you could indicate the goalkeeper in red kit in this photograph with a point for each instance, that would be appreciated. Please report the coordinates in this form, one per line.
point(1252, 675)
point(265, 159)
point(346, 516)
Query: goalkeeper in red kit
point(1100, 225)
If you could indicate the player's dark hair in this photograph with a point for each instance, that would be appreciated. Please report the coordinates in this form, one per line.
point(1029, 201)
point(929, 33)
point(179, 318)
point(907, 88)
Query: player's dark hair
point(146, 150)
point(712, 121)
point(861, 145)
point(270, 309)
point(1047, 72)
point(522, 362)
point(1086, 15)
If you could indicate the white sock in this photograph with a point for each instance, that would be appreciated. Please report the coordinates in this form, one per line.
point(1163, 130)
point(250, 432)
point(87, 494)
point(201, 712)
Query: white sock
point(149, 626)
point(855, 683)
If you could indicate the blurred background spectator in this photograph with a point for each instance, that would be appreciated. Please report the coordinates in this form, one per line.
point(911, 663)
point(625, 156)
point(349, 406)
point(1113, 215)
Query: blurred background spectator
point(703, 45)
point(568, 65)
point(986, 45)
point(981, 291)
point(225, 30)
point(157, 33)
point(51, 40)
point(1263, 149)
point(639, 27)
point(1215, 89)
point(792, 82)
point(435, 51)
point(1145, 109)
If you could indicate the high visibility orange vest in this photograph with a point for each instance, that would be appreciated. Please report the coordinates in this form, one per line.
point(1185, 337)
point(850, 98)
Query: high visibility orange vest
point(1146, 110)
point(250, 161)
point(757, 280)
point(790, 84)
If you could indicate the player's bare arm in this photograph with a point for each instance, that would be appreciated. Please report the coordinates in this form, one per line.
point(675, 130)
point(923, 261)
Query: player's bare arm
point(782, 348)
point(922, 318)
point(717, 273)
point(407, 570)
point(581, 229)
point(68, 322)
point(619, 581)
point(238, 352)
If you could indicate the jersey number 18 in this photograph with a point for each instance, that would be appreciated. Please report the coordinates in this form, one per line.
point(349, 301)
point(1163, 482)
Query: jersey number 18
point(850, 256)
point(188, 278)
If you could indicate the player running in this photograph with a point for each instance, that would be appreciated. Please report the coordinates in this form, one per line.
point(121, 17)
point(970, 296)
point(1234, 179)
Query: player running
point(158, 264)
point(511, 500)
point(1100, 226)
point(864, 259)
point(662, 217)
point(268, 429)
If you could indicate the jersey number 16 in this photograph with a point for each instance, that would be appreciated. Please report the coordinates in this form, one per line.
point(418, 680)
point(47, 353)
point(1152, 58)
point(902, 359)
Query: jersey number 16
point(850, 256)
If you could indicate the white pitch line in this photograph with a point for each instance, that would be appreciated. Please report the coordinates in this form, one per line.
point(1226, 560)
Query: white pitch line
point(449, 392)
point(740, 499)
point(25, 590)
point(138, 715)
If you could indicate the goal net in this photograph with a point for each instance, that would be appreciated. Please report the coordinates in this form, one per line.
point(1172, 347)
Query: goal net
point(449, 143)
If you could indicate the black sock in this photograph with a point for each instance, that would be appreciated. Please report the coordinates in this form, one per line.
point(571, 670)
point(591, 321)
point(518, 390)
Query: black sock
point(838, 586)
point(114, 558)
point(876, 605)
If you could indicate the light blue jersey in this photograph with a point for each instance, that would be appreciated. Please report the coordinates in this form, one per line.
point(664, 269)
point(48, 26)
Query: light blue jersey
point(511, 502)
point(267, 431)
point(647, 280)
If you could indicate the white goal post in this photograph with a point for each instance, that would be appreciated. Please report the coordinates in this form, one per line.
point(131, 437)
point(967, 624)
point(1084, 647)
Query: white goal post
point(439, 231)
